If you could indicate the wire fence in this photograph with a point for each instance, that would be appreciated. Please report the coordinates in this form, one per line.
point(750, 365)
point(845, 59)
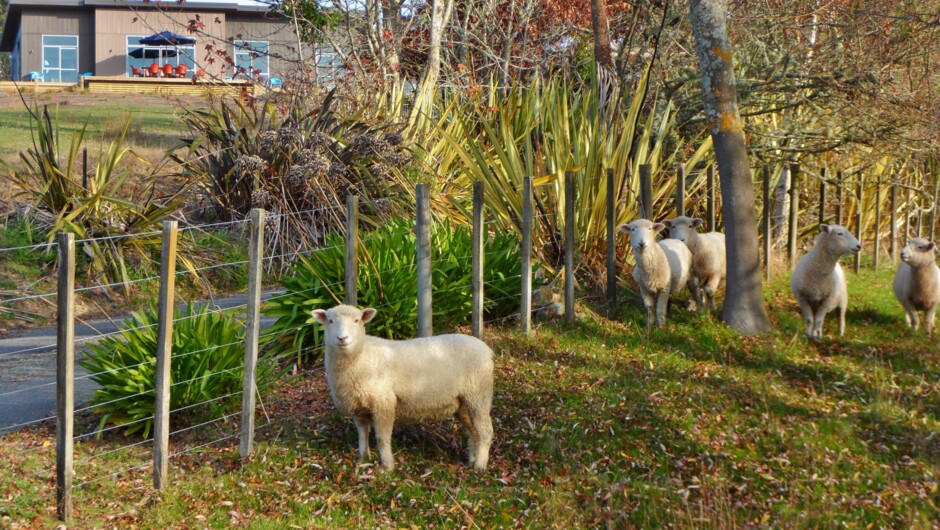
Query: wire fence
point(216, 418)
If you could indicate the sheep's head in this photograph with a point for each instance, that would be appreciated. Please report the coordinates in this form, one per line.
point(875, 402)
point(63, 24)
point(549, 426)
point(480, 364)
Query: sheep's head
point(838, 240)
point(344, 326)
point(642, 233)
point(918, 252)
point(684, 228)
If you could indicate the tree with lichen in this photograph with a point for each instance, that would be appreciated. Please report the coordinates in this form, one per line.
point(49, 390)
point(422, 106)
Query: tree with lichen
point(744, 305)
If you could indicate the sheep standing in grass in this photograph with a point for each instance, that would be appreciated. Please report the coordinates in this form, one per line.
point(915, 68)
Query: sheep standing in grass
point(917, 283)
point(818, 283)
point(661, 268)
point(708, 258)
point(376, 381)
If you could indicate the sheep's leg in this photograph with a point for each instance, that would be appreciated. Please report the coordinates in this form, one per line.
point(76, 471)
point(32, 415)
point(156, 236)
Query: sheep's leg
point(818, 324)
point(484, 428)
point(915, 318)
point(364, 426)
point(649, 302)
point(807, 317)
point(384, 422)
point(711, 286)
point(697, 295)
point(842, 308)
point(929, 316)
point(474, 439)
point(662, 302)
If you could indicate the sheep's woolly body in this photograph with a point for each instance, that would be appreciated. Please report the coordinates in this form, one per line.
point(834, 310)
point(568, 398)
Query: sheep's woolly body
point(818, 282)
point(378, 381)
point(661, 268)
point(708, 259)
point(917, 283)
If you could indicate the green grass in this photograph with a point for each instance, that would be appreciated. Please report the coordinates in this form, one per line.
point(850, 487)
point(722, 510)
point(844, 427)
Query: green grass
point(597, 424)
point(152, 126)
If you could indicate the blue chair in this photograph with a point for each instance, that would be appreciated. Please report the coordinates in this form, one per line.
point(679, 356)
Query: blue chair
point(36, 76)
point(274, 82)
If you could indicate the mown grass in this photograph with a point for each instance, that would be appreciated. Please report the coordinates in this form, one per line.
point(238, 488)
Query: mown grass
point(597, 424)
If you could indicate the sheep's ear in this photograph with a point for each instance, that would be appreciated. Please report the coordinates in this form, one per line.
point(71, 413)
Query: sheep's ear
point(668, 224)
point(623, 229)
point(697, 222)
point(824, 228)
point(658, 227)
point(320, 316)
point(367, 314)
point(929, 246)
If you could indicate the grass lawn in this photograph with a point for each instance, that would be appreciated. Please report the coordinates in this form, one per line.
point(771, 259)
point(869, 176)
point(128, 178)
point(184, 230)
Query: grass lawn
point(155, 126)
point(597, 424)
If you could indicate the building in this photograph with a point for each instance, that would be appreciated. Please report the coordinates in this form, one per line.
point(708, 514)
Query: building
point(61, 40)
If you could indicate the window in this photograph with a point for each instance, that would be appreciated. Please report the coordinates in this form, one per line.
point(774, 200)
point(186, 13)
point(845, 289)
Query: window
point(142, 56)
point(251, 59)
point(60, 58)
point(329, 63)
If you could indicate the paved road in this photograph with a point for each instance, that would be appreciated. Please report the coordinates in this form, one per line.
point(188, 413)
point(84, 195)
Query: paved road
point(28, 369)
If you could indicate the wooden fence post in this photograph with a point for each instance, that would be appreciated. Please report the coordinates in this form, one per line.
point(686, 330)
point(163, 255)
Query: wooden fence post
point(611, 244)
point(877, 249)
point(352, 250)
point(525, 311)
point(710, 203)
point(65, 376)
point(161, 416)
point(907, 212)
point(252, 330)
point(794, 214)
point(680, 189)
point(646, 191)
point(476, 282)
point(894, 223)
point(858, 223)
point(569, 247)
point(822, 196)
point(768, 211)
point(932, 229)
point(423, 231)
point(840, 193)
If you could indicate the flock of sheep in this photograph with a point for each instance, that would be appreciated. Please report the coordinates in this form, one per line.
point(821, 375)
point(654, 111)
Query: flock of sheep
point(376, 381)
point(818, 283)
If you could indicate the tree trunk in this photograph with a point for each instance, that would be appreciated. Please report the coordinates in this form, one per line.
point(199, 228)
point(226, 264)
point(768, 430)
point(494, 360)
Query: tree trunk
point(601, 34)
point(744, 305)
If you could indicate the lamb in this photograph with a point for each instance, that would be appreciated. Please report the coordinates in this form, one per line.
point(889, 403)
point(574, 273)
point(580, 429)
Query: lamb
point(661, 268)
point(376, 381)
point(818, 283)
point(917, 283)
point(708, 258)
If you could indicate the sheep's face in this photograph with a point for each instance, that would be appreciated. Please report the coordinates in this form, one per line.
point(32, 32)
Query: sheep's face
point(344, 326)
point(642, 233)
point(918, 252)
point(683, 228)
point(839, 240)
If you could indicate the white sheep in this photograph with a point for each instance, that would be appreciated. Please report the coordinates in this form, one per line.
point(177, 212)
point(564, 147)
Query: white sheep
point(917, 283)
point(818, 283)
point(708, 258)
point(661, 268)
point(376, 381)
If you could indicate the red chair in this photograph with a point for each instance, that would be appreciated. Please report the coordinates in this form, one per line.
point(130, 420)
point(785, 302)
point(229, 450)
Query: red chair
point(154, 69)
point(168, 70)
point(135, 71)
point(181, 70)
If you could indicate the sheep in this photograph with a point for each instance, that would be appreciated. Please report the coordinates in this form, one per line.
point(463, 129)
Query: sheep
point(818, 283)
point(661, 268)
point(917, 283)
point(376, 381)
point(708, 259)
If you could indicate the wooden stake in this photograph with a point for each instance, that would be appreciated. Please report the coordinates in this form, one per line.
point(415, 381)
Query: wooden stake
point(65, 376)
point(161, 417)
point(252, 330)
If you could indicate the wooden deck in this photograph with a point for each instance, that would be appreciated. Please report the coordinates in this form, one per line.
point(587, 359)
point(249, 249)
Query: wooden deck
point(168, 86)
point(34, 86)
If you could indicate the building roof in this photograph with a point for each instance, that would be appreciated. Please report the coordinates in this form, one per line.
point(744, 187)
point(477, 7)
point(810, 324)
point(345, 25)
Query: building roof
point(11, 25)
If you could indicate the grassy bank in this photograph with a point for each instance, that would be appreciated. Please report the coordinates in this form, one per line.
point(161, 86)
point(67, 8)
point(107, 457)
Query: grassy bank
point(596, 424)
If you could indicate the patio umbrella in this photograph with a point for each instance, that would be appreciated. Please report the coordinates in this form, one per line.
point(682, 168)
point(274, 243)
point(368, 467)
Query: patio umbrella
point(166, 38)
point(152, 53)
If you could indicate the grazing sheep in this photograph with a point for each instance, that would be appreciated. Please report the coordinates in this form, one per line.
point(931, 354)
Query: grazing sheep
point(818, 283)
point(708, 259)
point(917, 283)
point(661, 268)
point(376, 381)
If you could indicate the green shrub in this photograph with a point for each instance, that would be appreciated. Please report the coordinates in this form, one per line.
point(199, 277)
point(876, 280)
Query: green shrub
point(206, 368)
point(388, 281)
